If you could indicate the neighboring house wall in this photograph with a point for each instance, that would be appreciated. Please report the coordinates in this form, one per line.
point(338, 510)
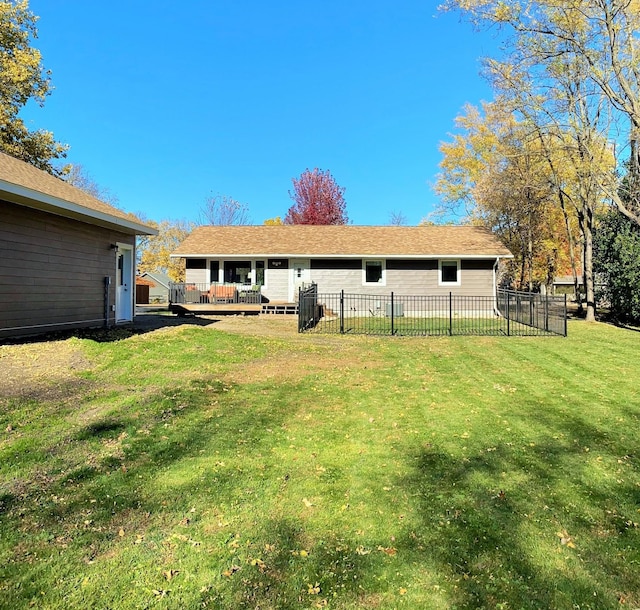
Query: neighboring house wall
point(52, 271)
point(159, 288)
point(158, 294)
point(404, 277)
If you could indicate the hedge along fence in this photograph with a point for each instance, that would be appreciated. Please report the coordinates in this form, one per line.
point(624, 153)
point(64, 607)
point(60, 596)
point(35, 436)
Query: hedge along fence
point(508, 313)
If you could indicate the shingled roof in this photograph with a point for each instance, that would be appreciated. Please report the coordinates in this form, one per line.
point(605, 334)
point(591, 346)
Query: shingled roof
point(27, 185)
point(324, 241)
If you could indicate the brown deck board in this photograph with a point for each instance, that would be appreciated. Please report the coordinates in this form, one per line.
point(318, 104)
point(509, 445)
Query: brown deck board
point(219, 309)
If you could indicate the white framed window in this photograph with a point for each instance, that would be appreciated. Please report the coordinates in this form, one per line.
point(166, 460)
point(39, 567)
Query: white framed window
point(449, 272)
point(374, 273)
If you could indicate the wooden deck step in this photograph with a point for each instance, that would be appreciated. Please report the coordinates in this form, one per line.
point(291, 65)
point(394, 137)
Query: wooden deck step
point(279, 308)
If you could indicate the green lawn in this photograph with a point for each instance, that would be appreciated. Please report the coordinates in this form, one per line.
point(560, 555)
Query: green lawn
point(195, 468)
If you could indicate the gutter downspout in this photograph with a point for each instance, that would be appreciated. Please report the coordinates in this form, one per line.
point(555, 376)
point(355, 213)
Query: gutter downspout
point(495, 288)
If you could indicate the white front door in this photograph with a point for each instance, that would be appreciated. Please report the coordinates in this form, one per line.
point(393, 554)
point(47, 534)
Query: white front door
point(124, 283)
point(300, 274)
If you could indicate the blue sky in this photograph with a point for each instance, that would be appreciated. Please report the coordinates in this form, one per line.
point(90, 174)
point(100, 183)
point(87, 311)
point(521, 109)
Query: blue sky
point(166, 103)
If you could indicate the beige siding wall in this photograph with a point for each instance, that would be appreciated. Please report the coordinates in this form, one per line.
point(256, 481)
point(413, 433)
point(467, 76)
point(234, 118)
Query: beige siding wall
point(407, 281)
point(197, 276)
point(52, 271)
point(277, 284)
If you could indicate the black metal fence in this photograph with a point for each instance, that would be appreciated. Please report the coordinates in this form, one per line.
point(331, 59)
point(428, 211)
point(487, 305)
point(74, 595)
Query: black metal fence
point(510, 313)
point(545, 313)
point(309, 311)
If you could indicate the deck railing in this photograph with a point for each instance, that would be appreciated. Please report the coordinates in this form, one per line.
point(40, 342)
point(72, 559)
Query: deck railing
point(190, 293)
point(392, 314)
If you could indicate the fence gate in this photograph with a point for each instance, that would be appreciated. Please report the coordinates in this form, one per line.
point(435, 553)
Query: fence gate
point(309, 312)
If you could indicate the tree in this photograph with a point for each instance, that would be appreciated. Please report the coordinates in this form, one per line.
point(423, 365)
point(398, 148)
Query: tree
point(154, 251)
point(617, 263)
point(224, 210)
point(397, 219)
point(23, 78)
point(318, 200)
point(571, 70)
point(78, 176)
point(274, 221)
point(495, 170)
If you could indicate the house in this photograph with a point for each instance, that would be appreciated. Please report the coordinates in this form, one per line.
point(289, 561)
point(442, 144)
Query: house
point(67, 259)
point(158, 283)
point(421, 260)
point(565, 284)
point(143, 286)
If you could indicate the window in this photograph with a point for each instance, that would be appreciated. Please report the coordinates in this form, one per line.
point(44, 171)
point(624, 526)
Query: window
point(260, 273)
point(237, 272)
point(196, 263)
point(374, 272)
point(449, 273)
point(214, 273)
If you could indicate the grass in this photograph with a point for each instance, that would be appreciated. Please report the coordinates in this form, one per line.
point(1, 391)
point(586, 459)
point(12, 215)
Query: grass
point(194, 468)
point(437, 325)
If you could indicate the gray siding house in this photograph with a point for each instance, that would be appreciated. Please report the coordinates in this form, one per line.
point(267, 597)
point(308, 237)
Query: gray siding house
point(67, 260)
point(422, 260)
point(158, 287)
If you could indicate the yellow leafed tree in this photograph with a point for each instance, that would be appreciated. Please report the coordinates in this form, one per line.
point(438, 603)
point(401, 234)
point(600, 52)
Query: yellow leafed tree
point(154, 251)
point(23, 79)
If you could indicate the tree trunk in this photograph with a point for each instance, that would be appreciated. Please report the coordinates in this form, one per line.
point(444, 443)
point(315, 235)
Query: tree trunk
point(588, 264)
point(572, 252)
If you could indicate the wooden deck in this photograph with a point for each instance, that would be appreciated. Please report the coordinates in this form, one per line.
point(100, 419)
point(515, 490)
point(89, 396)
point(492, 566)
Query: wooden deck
point(233, 309)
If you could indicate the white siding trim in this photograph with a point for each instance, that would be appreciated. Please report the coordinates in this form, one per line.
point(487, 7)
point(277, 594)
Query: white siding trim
point(383, 279)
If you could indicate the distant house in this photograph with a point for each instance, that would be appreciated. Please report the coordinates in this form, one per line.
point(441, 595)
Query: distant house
point(67, 258)
point(158, 283)
point(422, 260)
point(565, 284)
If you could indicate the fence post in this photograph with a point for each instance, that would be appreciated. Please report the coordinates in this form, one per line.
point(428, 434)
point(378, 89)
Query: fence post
point(508, 309)
point(342, 312)
point(393, 332)
point(546, 312)
point(531, 308)
point(565, 315)
point(450, 314)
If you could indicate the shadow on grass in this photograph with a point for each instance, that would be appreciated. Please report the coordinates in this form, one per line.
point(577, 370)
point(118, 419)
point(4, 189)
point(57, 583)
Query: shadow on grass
point(177, 424)
point(104, 428)
point(530, 526)
point(288, 576)
point(143, 323)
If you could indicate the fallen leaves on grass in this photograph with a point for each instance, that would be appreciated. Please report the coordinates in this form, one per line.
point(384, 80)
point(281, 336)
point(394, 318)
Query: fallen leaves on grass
point(231, 571)
point(565, 539)
point(257, 563)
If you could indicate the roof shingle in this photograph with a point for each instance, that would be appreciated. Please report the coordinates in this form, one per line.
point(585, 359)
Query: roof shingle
point(21, 174)
point(342, 241)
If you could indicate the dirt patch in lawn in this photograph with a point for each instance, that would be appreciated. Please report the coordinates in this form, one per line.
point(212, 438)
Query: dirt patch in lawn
point(259, 326)
point(38, 370)
point(49, 369)
point(306, 355)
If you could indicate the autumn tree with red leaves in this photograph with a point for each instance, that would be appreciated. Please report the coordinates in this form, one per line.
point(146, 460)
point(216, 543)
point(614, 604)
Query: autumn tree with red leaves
point(318, 200)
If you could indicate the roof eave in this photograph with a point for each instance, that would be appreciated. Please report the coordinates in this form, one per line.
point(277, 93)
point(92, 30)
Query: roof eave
point(340, 255)
point(48, 203)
